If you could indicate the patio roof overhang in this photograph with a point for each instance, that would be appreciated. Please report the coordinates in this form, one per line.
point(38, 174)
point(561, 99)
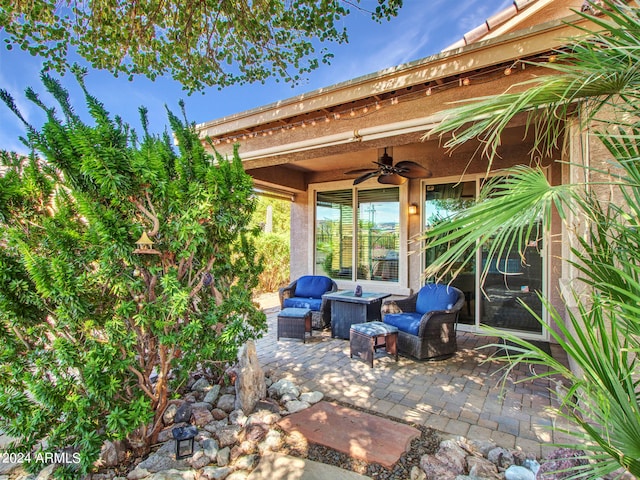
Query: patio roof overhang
point(394, 107)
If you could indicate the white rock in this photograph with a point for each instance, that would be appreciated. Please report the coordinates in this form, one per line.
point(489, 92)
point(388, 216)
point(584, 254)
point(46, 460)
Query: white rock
point(516, 472)
point(311, 397)
point(296, 406)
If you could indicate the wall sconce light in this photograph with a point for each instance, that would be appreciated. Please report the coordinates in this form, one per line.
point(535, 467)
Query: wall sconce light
point(184, 437)
point(413, 209)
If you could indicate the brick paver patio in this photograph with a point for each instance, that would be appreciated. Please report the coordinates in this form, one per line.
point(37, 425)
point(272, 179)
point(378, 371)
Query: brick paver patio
point(461, 396)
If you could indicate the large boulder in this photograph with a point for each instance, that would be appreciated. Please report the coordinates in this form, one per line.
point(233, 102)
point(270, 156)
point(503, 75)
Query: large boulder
point(250, 383)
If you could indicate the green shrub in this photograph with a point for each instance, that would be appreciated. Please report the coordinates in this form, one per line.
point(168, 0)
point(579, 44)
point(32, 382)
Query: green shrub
point(95, 335)
point(273, 249)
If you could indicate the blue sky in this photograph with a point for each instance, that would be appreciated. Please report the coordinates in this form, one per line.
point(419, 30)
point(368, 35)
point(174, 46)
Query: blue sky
point(423, 28)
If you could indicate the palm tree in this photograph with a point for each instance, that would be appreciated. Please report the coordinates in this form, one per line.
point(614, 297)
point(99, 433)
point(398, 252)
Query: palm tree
point(598, 74)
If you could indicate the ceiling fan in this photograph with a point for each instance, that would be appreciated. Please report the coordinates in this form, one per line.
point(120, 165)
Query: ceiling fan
point(390, 174)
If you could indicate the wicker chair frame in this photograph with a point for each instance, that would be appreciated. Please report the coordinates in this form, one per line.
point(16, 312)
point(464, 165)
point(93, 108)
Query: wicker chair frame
point(436, 339)
point(319, 319)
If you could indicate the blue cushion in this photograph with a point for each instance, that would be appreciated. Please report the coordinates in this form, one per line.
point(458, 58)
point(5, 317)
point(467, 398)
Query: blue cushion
point(310, 303)
point(408, 322)
point(373, 329)
point(312, 286)
point(435, 296)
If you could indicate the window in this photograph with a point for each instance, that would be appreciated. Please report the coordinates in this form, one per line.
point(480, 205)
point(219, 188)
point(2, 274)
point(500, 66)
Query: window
point(373, 253)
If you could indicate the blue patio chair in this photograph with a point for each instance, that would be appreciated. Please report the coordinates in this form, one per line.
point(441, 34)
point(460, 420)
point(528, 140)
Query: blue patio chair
point(426, 321)
point(306, 292)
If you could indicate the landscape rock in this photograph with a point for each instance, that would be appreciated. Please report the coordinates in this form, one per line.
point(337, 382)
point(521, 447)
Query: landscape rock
point(311, 397)
point(262, 417)
point(227, 403)
point(268, 404)
point(250, 384)
point(109, 454)
point(228, 435)
point(516, 472)
point(452, 454)
point(201, 417)
point(417, 474)
point(295, 406)
point(219, 414)
point(45, 473)
point(183, 414)
point(170, 414)
point(280, 387)
point(480, 467)
point(238, 475)
point(501, 457)
point(173, 474)
point(138, 473)
point(271, 443)
point(212, 395)
point(210, 448)
point(214, 426)
point(199, 460)
point(237, 417)
point(560, 460)
point(216, 473)
point(158, 462)
point(222, 458)
point(201, 385)
point(246, 462)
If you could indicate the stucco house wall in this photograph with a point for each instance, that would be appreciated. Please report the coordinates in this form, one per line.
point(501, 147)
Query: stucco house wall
point(301, 145)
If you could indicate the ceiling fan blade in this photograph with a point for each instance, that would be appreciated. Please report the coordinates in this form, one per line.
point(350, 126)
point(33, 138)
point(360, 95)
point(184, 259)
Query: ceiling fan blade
point(410, 169)
point(366, 176)
point(360, 171)
point(391, 179)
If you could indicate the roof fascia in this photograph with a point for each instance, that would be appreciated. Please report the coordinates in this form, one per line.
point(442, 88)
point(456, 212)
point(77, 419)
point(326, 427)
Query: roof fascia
point(516, 45)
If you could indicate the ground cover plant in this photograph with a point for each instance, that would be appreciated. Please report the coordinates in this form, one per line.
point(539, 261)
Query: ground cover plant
point(599, 326)
point(99, 330)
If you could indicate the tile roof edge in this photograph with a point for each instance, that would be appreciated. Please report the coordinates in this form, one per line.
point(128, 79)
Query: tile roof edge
point(491, 23)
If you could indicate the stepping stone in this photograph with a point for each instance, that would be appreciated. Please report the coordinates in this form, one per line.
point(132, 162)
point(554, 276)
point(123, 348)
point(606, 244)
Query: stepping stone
point(360, 435)
point(276, 466)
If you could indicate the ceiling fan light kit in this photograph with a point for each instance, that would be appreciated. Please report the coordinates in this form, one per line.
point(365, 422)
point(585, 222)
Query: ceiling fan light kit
point(390, 174)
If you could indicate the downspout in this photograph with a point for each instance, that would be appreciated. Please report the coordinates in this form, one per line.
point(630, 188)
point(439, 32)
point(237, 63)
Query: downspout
point(360, 135)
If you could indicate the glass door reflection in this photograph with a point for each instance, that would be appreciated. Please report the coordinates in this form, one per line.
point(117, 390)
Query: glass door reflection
point(442, 202)
point(511, 282)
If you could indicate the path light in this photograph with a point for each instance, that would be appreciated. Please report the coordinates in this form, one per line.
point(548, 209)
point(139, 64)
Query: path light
point(185, 438)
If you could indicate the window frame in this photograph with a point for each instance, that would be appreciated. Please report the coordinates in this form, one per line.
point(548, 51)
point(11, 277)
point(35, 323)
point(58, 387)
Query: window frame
point(401, 287)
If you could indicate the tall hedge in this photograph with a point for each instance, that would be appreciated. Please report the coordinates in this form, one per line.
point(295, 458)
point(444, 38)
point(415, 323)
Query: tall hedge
point(96, 332)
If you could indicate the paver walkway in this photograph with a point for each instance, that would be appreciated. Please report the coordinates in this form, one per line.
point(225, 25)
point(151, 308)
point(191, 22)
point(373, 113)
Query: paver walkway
point(461, 396)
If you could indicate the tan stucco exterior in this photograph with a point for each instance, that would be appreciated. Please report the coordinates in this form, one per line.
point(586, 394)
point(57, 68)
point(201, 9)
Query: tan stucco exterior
point(308, 142)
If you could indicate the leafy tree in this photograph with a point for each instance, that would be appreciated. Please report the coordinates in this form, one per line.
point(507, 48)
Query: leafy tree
point(199, 43)
point(273, 246)
point(599, 72)
point(96, 335)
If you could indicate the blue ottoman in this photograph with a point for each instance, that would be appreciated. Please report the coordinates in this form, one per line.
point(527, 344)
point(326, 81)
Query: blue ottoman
point(366, 338)
point(294, 323)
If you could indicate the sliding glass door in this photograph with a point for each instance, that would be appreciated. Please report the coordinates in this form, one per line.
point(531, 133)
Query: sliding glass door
point(512, 283)
point(441, 202)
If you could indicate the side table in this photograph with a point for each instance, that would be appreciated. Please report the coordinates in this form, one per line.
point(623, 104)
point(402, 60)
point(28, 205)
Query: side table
point(347, 310)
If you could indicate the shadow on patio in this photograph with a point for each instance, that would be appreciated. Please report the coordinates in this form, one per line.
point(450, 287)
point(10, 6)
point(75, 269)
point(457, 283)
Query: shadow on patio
point(461, 396)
